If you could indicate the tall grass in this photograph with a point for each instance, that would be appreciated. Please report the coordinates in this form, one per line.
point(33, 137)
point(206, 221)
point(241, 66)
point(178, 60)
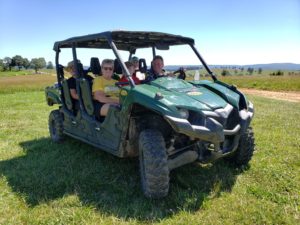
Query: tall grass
point(270, 83)
point(261, 82)
point(73, 183)
point(23, 72)
point(26, 83)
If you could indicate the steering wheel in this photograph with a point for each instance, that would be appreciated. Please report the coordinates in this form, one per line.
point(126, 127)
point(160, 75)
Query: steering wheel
point(120, 84)
point(181, 72)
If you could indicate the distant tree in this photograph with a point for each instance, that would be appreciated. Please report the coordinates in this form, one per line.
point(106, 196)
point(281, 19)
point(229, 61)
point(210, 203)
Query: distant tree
point(7, 63)
point(250, 70)
point(50, 65)
point(17, 61)
point(26, 63)
point(1, 65)
point(277, 73)
point(242, 69)
point(38, 63)
point(259, 70)
point(225, 73)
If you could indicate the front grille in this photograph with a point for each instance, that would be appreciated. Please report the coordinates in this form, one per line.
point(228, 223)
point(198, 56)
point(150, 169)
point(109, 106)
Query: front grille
point(232, 120)
point(196, 118)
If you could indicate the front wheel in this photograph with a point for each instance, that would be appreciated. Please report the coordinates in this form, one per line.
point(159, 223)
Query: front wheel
point(56, 126)
point(245, 150)
point(153, 164)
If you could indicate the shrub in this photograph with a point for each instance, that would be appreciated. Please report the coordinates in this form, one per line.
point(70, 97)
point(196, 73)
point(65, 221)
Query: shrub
point(225, 73)
point(277, 73)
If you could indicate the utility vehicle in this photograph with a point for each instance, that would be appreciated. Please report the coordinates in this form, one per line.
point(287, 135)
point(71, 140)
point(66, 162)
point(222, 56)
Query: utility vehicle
point(167, 123)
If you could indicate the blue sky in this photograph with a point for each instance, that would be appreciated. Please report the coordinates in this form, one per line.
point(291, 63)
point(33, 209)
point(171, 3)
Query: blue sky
point(225, 31)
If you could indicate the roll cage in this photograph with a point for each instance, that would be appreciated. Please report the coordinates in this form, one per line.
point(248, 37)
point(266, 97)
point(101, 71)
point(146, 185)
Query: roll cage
point(124, 40)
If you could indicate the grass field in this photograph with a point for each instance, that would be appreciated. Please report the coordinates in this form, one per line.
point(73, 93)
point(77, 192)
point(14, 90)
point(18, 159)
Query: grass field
point(73, 183)
point(38, 82)
point(24, 72)
point(260, 82)
point(25, 83)
point(270, 83)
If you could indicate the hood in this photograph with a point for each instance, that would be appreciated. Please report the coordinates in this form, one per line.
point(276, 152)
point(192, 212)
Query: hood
point(184, 94)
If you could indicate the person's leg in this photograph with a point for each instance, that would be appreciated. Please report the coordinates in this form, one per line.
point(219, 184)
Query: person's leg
point(97, 109)
point(104, 109)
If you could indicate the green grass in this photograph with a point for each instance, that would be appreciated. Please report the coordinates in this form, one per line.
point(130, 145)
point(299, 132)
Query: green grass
point(270, 83)
point(26, 83)
point(261, 82)
point(73, 183)
point(16, 73)
point(13, 81)
point(23, 72)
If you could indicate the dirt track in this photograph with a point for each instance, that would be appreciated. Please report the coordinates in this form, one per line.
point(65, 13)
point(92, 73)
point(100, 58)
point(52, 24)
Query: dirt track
point(287, 96)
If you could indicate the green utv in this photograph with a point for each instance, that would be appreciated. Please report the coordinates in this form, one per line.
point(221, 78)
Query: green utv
point(168, 122)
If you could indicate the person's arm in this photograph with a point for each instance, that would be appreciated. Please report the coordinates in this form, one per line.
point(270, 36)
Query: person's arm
point(101, 97)
point(74, 94)
point(149, 77)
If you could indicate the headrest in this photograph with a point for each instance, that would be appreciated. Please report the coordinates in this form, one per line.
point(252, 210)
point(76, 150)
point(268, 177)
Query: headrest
point(142, 66)
point(117, 67)
point(95, 66)
point(61, 69)
point(80, 69)
point(134, 59)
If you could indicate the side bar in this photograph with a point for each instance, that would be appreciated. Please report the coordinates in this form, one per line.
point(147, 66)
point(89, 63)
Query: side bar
point(204, 63)
point(124, 68)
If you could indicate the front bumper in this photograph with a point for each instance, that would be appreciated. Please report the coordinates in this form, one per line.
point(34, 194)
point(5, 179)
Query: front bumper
point(213, 131)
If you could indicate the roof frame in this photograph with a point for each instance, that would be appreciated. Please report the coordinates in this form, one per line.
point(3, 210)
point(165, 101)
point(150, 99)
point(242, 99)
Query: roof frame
point(124, 40)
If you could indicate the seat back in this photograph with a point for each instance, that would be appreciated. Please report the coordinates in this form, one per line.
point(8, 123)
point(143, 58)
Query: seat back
point(80, 69)
point(117, 67)
point(67, 95)
point(142, 66)
point(95, 66)
point(60, 72)
point(86, 95)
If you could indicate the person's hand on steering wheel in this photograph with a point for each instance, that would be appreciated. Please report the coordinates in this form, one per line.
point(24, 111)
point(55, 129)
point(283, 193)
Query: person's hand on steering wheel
point(181, 72)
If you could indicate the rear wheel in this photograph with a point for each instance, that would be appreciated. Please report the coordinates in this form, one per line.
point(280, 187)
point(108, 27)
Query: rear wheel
point(153, 164)
point(245, 150)
point(56, 126)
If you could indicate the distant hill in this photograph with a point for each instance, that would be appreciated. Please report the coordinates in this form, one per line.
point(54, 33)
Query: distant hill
point(276, 66)
point(269, 66)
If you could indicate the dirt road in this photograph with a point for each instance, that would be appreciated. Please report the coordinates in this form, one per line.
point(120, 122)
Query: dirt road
point(287, 96)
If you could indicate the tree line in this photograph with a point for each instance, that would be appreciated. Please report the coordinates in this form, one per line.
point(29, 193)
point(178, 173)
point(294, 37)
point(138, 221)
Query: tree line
point(7, 63)
point(250, 71)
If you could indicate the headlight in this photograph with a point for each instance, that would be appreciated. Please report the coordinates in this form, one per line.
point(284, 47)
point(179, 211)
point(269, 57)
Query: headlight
point(184, 113)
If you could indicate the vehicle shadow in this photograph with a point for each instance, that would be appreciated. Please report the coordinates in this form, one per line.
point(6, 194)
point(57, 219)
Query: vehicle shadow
point(49, 171)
